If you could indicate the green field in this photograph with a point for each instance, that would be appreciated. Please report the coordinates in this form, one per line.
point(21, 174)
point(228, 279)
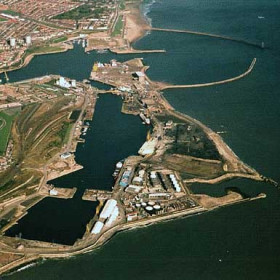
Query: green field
point(122, 4)
point(78, 13)
point(59, 39)
point(10, 12)
point(42, 49)
point(6, 121)
point(118, 27)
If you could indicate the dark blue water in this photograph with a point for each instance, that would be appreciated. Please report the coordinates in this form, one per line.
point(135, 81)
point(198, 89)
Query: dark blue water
point(237, 242)
point(55, 220)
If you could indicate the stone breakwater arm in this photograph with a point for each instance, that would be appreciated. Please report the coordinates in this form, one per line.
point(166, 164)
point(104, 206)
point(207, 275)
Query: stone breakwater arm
point(251, 67)
point(208, 35)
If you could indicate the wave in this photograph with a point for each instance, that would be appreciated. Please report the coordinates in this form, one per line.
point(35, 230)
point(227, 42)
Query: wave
point(146, 8)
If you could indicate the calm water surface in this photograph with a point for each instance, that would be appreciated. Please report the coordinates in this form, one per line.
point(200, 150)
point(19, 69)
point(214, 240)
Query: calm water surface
point(237, 242)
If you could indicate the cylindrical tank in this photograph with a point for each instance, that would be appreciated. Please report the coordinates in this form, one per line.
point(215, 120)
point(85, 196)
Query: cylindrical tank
point(144, 204)
point(151, 203)
point(156, 207)
point(149, 208)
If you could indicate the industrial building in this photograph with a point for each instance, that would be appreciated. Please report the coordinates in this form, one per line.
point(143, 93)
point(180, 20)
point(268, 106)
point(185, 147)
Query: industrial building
point(113, 216)
point(28, 40)
point(175, 183)
point(108, 209)
point(62, 82)
point(97, 227)
point(148, 147)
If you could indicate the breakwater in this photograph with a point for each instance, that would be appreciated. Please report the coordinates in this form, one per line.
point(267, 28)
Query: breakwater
point(251, 67)
point(208, 35)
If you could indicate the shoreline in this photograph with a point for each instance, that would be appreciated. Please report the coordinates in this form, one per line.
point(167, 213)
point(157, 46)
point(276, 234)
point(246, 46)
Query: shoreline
point(29, 57)
point(110, 233)
point(136, 24)
point(84, 246)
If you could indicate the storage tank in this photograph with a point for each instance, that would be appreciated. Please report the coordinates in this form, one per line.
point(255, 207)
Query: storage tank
point(138, 205)
point(119, 165)
point(149, 208)
point(156, 207)
point(151, 203)
point(144, 204)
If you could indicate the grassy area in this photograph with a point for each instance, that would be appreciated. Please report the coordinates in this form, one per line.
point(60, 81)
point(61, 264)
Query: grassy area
point(59, 39)
point(78, 13)
point(122, 4)
point(6, 121)
point(67, 132)
point(195, 167)
point(42, 49)
point(2, 19)
point(118, 27)
point(10, 12)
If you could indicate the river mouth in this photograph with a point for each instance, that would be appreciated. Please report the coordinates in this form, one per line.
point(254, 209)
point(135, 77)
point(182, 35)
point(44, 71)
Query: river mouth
point(112, 136)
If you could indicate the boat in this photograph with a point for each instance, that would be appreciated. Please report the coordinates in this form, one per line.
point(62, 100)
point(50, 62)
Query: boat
point(118, 169)
point(26, 266)
point(102, 51)
point(145, 119)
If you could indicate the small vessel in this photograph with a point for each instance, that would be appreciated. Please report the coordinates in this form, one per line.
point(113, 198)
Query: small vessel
point(145, 119)
point(118, 169)
point(26, 266)
point(102, 51)
point(221, 132)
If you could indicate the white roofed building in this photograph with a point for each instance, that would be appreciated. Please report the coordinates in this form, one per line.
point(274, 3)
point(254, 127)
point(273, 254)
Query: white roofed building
point(108, 209)
point(97, 227)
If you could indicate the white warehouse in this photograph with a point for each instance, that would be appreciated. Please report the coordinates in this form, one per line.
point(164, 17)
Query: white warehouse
point(113, 217)
point(108, 209)
point(97, 227)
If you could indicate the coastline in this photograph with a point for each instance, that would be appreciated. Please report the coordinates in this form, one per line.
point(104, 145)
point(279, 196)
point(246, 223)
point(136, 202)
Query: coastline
point(112, 231)
point(29, 57)
point(136, 24)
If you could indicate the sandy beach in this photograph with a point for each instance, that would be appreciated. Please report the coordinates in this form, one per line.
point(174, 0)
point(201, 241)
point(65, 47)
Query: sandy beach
point(135, 24)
